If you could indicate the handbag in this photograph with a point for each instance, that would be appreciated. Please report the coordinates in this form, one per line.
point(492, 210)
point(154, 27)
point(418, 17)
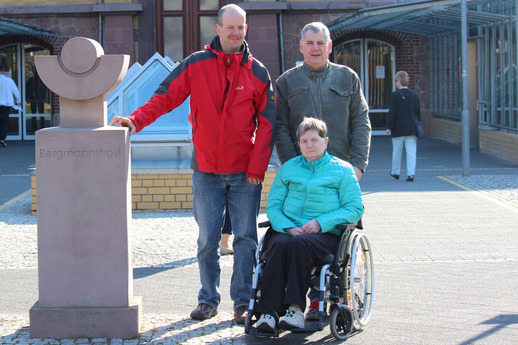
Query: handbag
point(419, 129)
point(419, 132)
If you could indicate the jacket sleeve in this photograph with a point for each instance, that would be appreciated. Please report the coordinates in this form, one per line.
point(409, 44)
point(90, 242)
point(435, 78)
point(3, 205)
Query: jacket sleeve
point(171, 93)
point(275, 204)
point(265, 132)
point(285, 143)
point(360, 127)
point(351, 205)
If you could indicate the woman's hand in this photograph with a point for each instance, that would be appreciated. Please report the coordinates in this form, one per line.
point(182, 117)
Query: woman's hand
point(294, 231)
point(311, 227)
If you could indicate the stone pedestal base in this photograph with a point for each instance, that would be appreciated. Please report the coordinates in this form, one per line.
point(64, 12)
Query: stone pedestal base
point(72, 323)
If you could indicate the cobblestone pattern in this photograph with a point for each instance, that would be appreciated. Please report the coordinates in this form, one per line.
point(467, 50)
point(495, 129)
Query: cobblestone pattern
point(156, 329)
point(501, 187)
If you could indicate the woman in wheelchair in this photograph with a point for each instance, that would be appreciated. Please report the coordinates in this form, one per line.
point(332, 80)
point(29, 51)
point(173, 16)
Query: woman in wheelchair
point(309, 196)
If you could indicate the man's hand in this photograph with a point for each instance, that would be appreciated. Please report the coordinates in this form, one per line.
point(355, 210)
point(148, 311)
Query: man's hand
point(311, 227)
point(254, 181)
point(358, 173)
point(294, 231)
point(124, 122)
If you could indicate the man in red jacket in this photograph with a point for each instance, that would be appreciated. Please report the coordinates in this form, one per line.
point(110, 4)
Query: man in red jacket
point(233, 119)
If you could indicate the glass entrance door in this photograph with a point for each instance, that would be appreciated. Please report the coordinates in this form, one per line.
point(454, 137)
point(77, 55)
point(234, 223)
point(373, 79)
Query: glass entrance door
point(374, 63)
point(35, 109)
point(37, 113)
point(10, 58)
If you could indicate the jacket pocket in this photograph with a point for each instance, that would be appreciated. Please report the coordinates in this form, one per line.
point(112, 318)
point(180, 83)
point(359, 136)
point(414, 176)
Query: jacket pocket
point(343, 92)
point(339, 99)
point(300, 92)
point(301, 104)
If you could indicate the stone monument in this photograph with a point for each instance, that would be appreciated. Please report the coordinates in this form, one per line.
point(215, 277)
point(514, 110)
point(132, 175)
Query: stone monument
point(84, 203)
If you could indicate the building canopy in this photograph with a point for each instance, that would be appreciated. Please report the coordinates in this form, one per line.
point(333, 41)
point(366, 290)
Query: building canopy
point(8, 26)
point(426, 18)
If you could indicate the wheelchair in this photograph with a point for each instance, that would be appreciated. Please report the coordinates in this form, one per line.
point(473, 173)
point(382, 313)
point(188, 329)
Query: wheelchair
point(345, 282)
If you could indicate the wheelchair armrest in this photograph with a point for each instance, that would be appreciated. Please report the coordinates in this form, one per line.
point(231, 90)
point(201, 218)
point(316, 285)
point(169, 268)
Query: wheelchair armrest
point(346, 226)
point(265, 224)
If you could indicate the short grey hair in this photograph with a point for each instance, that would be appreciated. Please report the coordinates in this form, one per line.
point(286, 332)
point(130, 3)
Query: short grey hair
point(316, 27)
point(229, 7)
point(402, 77)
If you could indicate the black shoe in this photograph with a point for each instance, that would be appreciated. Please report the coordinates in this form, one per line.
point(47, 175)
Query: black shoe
point(2, 143)
point(410, 178)
point(394, 176)
point(203, 311)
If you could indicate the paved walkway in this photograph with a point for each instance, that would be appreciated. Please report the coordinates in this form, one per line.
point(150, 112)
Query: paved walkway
point(445, 249)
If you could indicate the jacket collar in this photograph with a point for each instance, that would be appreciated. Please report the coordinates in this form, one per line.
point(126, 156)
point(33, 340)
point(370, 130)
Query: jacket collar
point(318, 72)
point(315, 165)
point(215, 47)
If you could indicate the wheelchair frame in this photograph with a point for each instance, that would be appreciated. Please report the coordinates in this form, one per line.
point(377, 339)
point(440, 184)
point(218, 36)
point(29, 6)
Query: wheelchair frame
point(346, 282)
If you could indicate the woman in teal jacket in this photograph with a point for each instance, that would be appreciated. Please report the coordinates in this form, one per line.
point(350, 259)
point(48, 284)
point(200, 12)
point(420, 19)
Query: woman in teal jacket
point(309, 196)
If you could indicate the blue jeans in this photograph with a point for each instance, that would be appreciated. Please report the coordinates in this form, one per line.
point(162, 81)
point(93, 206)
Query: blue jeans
point(210, 195)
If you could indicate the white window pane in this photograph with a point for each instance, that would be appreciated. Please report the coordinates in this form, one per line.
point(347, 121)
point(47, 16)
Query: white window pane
point(173, 38)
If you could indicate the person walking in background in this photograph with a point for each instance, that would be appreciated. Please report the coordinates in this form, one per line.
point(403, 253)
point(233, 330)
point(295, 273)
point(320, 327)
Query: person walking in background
point(327, 91)
point(9, 96)
point(233, 122)
point(401, 126)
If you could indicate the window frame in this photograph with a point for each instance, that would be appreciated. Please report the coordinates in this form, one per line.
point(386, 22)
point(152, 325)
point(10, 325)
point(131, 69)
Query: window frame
point(190, 14)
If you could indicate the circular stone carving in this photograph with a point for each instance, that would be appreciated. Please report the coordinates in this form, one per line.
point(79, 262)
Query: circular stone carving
point(79, 54)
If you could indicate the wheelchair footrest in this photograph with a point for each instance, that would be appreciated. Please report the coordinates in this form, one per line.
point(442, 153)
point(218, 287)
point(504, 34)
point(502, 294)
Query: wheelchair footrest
point(253, 331)
point(313, 327)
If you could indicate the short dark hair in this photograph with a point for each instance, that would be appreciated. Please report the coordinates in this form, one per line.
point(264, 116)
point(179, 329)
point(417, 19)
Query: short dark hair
point(2, 68)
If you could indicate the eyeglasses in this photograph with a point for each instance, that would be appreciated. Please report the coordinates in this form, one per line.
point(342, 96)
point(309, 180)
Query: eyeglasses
point(312, 141)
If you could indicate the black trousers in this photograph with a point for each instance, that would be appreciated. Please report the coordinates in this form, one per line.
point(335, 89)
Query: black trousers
point(287, 272)
point(4, 121)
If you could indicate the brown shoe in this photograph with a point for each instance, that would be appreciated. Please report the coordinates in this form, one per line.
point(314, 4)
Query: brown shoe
point(240, 314)
point(203, 311)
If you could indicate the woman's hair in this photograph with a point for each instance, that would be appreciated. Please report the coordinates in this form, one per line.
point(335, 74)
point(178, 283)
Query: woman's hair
point(316, 27)
point(402, 76)
point(310, 123)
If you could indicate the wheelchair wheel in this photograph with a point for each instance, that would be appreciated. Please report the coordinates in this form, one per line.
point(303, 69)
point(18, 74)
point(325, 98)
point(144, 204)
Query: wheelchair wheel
point(359, 279)
point(341, 323)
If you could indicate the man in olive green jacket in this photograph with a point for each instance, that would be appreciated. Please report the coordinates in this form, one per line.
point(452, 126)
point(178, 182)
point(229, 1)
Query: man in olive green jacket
point(329, 92)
